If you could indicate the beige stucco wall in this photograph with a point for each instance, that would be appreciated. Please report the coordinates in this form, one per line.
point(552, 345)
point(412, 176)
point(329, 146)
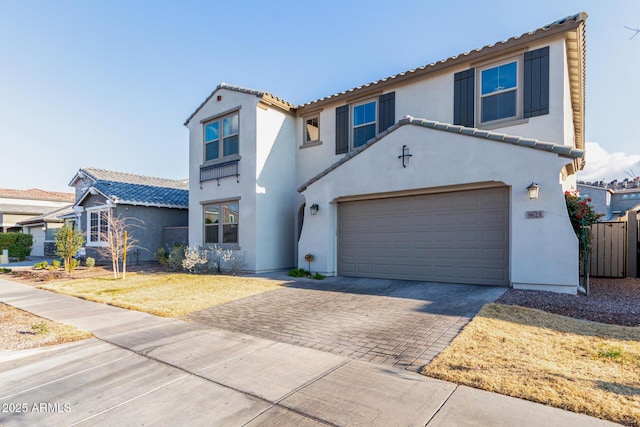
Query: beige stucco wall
point(543, 252)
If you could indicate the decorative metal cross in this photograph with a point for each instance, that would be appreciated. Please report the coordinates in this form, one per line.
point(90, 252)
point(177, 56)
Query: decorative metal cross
point(405, 155)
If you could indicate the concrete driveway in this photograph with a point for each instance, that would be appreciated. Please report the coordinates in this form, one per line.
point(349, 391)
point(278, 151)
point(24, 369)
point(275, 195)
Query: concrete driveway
point(392, 322)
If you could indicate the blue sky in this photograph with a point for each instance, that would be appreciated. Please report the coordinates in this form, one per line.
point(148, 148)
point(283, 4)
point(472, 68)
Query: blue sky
point(109, 84)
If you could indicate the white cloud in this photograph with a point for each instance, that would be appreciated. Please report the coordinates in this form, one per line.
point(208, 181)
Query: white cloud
point(601, 165)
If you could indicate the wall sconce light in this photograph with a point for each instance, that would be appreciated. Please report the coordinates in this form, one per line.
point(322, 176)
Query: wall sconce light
point(533, 190)
point(314, 209)
point(44, 228)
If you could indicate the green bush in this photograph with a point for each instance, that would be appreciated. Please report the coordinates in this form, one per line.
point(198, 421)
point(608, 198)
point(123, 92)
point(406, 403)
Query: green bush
point(4, 270)
point(41, 265)
point(299, 272)
point(55, 264)
point(90, 262)
point(19, 244)
point(317, 276)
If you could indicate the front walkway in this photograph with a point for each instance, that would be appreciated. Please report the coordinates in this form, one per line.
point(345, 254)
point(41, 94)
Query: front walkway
point(392, 322)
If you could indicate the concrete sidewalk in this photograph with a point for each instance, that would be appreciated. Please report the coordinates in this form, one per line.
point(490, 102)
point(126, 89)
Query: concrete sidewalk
point(146, 369)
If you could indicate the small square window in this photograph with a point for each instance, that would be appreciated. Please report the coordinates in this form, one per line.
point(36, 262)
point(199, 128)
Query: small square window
point(312, 129)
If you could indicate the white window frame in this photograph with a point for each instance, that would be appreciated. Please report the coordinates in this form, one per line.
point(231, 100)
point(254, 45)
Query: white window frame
point(235, 217)
point(518, 89)
point(353, 127)
point(99, 210)
point(221, 136)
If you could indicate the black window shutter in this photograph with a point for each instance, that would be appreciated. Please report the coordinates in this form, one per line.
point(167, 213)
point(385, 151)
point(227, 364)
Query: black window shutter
point(536, 83)
point(386, 111)
point(463, 98)
point(342, 129)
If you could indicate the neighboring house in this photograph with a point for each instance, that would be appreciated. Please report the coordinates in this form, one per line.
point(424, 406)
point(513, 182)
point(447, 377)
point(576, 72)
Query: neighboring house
point(43, 229)
point(420, 176)
point(158, 205)
point(613, 199)
point(22, 205)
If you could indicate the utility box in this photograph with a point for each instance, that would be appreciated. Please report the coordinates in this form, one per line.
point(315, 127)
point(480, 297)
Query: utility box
point(4, 258)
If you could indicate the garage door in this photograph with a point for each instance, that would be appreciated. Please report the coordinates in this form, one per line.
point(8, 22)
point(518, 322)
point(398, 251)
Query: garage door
point(456, 237)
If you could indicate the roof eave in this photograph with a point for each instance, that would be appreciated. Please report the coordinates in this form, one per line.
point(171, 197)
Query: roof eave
point(514, 43)
point(265, 97)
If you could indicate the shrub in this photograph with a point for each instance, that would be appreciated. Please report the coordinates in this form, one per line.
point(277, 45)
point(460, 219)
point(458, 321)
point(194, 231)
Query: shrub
point(55, 264)
point(90, 262)
point(318, 276)
point(39, 328)
point(69, 240)
point(299, 272)
point(4, 270)
point(18, 244)
point(41, 265)
point(171, 260)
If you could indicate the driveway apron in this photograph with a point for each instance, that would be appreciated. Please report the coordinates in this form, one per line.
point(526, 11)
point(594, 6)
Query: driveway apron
point(403, 324)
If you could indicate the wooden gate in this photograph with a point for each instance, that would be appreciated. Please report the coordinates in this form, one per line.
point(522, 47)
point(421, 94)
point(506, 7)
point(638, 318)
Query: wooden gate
point(608, 249)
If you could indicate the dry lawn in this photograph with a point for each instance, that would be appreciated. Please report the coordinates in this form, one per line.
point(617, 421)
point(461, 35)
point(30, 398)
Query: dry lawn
point(164, 294)
point(581, 366)
point(20, 330)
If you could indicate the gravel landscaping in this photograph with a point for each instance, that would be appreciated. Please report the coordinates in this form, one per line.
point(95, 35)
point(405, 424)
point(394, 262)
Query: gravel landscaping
point(612, 301)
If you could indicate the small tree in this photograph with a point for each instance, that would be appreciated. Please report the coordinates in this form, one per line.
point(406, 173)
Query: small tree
point(120, 242)
point(68, 240)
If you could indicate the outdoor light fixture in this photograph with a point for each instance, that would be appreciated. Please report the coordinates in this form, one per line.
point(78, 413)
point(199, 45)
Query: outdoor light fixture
point(314, 208)
point(533, 190)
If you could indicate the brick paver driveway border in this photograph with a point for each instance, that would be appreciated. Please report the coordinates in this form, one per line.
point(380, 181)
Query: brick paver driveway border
point(393, 322)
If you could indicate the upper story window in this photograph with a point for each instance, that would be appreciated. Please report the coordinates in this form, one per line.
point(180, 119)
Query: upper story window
point(311, 129)
point(358, 123)
point(517, 88)
point(499, 92)
point(364, 123)
point(221, 137)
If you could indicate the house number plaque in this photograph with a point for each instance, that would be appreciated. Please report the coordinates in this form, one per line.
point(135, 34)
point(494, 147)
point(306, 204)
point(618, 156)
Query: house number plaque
point(535, 214)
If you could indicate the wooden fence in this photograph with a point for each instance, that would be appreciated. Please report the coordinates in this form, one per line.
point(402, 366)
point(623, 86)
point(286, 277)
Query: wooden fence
point(615, 248)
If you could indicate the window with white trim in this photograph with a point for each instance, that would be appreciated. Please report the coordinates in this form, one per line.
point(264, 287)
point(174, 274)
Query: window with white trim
point(221, 137)
point(364, 122)
point(499, 93)
point(98, 226)
point(221, 223)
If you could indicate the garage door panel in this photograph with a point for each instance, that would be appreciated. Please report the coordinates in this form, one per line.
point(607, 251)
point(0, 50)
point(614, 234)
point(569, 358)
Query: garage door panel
point(458, 237)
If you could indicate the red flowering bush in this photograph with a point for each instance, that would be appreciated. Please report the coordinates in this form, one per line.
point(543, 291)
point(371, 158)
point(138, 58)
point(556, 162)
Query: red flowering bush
point(582, 216)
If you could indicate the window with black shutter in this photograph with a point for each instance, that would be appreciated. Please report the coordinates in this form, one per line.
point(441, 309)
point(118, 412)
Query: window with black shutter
point(463, 98)
point(536, 83)
point(342, 129)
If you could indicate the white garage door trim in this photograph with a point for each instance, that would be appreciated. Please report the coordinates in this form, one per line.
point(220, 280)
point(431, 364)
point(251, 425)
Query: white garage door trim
point(452, 237)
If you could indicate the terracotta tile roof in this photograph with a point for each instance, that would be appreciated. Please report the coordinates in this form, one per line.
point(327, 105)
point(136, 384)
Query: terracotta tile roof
point(559, 25)
point(37, 194)
point(265, 96)
point(561, 150)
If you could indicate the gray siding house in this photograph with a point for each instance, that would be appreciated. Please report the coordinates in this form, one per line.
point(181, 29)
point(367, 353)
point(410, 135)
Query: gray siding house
point(156, 208)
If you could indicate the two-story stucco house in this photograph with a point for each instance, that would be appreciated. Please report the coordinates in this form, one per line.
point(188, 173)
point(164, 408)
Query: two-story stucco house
point(423, 175)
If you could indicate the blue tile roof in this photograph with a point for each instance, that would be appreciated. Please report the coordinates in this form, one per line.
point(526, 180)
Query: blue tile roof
point(139, 194)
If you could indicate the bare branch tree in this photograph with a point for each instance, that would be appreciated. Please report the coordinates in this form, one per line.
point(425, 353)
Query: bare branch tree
point(120, 239)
